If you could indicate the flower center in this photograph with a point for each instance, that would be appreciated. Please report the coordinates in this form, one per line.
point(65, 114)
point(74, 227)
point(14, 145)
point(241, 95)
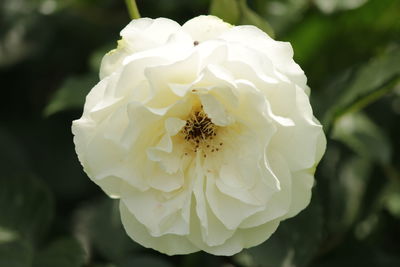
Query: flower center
point(199, 127)
point(201, 132)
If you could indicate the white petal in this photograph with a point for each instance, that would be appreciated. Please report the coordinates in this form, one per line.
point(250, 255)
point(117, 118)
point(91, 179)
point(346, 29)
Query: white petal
point(146, 33)
point(160, 77)
point(230, 211)
point(244, 179)
point(243, 238)
point(280, 53)
point(212, 231)
point(163, 179)
point(113, 59)
point(170, 244)
point(141, 35)
point(159, 213)
point(95, 95)
point(132, 82)
point(203, 28)
point(174, 125)
point(215, 110)
point(279, 203)
point(299, 144)
point(302, 183)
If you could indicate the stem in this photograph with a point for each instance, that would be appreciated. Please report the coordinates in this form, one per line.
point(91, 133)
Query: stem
point(132, 9)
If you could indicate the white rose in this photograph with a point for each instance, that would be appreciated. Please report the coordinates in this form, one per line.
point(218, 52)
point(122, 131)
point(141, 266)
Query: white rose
point(205, 133)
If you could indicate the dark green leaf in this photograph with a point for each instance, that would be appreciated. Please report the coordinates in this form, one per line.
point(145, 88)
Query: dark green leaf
point(336, 5)
point(309, 37)
point(144, 261)
point(350, 187)
point(200, 259)
point(72, 94)
point(107, 232)
point(370, 83)
point(62, 253)
point(26, 205)
point(281, 14)
point(227, 10)
point(16, 253)
point(13, 153)
point(342, 183)
point(8, 235)
point(363, 136)
point(103, 227)
point(102, 265)
point(237, 12)
point(355, 253)
point(51, 149)
point(294, 243)
point(248, 16)
point(391, 194)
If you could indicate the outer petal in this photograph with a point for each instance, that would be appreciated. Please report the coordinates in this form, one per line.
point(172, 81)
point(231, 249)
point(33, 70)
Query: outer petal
point(302, 184)
point(140, 35)
point(278, 205)
point(170, 244)
point(228, 210)
point(243, 238)
point(203, 28)
point(301, 144)
point(146, 33)
point(280, 53)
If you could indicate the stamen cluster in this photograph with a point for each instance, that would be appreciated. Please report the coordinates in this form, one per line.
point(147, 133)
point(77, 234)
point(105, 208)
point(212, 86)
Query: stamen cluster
point(200, 131)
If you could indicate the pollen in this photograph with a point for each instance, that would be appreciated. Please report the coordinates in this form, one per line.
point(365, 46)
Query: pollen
point(199, 131)
point(199, 127)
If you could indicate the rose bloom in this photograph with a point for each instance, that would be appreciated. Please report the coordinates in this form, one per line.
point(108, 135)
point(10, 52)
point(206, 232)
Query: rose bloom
point(203, 131)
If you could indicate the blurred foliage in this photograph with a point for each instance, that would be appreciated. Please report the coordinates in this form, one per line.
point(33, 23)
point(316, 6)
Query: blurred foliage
point(51, 214)
point(237, 12)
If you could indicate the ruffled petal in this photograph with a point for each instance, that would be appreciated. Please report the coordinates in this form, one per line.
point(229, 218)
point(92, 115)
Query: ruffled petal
point(160, 213)
point(170, 244)
point(280, 53)
point(204, 28)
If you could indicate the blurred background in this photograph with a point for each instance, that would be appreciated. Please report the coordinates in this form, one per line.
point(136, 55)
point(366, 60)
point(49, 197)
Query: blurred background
point(52, 215)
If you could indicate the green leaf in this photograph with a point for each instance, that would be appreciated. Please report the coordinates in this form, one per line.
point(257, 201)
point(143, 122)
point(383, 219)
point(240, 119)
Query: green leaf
point(348, 192)
point(391, 196)
point(7, 235)
point(102, 225)
point(200, 259)
point(248, 16)
point(72, 94)
point(12, 152)
point(61, 253)
point(107, 232)
point(227, 10)
point(363, 136)
point(337, 5)
point(355, 253)
point(342, 182)
point(371, 82)
point(144, 261)
point(26, 205)
point(51, 150)
point(16, 253)
point(309, 37)
point(237, 12)
point(294, 243)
